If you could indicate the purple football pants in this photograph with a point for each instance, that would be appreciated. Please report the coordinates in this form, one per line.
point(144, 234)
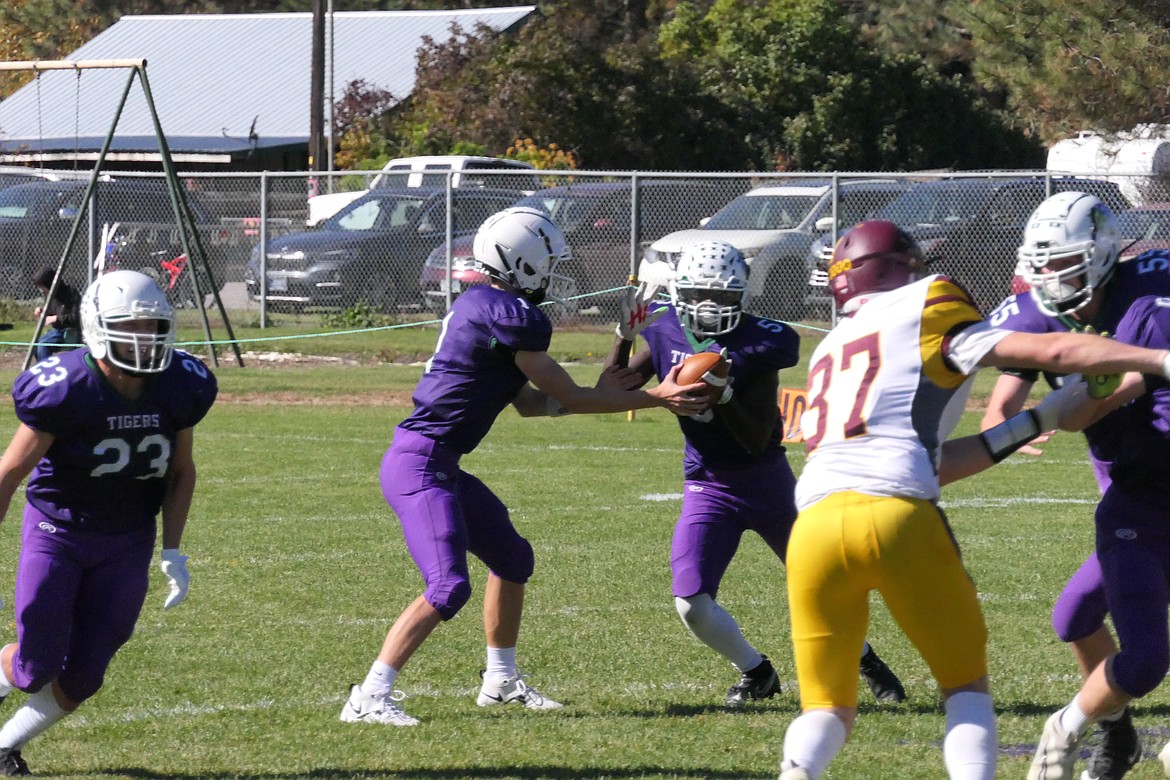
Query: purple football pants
point(78, 596)
point(1133, 544)
point(718, 506)
point(447, 513)
point(1081, 607)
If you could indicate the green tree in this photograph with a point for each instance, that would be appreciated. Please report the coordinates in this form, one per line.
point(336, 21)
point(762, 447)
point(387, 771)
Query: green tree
point(813, 99)
point(1068, 66)
point(570, 79)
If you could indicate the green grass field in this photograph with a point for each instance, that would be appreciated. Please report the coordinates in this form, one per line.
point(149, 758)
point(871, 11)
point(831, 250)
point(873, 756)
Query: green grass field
point(298, 567)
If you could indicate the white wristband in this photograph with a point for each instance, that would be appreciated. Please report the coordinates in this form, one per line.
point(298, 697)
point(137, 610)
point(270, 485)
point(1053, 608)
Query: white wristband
point(1166, 365)
point(727, 393)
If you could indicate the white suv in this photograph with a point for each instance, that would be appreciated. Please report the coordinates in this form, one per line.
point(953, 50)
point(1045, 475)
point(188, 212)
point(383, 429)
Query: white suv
point(774, 225)
point(431, 171)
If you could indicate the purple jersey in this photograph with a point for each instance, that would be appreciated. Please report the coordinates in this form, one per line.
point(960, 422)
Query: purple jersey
point(1137, 436)
point(756, 346)
point(473, 375)
point(106, 468)
point(1145, 274)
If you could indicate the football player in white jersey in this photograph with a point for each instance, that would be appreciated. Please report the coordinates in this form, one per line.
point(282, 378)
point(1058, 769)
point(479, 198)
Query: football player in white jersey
point(886, 387)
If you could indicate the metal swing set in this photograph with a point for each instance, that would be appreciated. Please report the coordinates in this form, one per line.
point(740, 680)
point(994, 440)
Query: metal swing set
point(192, 246)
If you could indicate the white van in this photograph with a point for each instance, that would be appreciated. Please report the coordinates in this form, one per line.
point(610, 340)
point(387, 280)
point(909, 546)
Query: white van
point(432, 171)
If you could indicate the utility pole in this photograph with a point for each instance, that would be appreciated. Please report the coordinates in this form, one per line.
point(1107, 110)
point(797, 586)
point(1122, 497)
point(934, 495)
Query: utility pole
point(317, 96)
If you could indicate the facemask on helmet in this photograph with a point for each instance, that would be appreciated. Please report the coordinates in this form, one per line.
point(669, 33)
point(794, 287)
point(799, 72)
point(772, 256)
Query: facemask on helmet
point(710, 288)
point(112, 310)
point(1071, 246)
point(872, 257)
point(521, 246)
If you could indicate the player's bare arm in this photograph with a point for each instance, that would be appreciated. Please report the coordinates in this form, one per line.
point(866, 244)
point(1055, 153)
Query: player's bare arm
point(1088, 410)
point(1067, 353)
point(1008, 397)
point(552, 379)
point(27, 447)
point(637, 372)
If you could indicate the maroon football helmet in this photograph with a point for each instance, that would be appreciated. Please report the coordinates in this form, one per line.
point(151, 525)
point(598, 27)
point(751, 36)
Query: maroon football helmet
point(873, 257)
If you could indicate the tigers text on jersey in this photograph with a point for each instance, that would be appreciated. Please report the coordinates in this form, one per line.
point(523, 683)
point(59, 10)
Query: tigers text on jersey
point(880, 385)
point(105, 469)
point(473, 375)
point(756, 346)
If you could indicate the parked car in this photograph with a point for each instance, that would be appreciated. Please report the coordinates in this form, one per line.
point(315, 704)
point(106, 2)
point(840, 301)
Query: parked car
point(36, 219)
point(595, 217)
point(432, 171)
point(465, 272)
point(968, 228)
point(371, 251)
point(1145, 227)
point(774, 225)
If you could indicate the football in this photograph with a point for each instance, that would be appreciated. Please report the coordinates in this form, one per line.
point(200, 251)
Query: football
point(695, 368)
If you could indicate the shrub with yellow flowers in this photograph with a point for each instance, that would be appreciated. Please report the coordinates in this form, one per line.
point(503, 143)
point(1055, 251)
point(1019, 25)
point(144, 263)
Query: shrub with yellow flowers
point(551, 157)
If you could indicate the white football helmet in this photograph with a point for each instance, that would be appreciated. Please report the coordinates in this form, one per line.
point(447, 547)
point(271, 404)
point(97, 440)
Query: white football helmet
point(521, 246)
point(1076, 237)
point(120, 297)
point(710, 288)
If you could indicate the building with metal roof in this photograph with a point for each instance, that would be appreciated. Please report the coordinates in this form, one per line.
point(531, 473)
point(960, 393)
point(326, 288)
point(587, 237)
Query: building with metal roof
point(231, 90)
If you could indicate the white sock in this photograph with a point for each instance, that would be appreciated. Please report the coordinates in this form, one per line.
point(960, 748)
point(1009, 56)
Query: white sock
point(715, 627)
point(813, 740)
point(380, 679)
point(1073, 719)
point(39, 712)
point(971, 746)
point(501, 664)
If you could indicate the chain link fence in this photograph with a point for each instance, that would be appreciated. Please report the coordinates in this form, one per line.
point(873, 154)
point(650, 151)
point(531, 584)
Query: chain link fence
point(407, 250)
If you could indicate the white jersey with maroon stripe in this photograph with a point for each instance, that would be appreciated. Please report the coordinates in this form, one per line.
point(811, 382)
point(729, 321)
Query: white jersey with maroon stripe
point(885, 389)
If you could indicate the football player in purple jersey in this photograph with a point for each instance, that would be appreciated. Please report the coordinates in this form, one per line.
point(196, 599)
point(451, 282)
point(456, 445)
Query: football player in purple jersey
point(106, 433)
point(1129, 431)
point(1070, 258)
point(492, 351)
point(736, 476)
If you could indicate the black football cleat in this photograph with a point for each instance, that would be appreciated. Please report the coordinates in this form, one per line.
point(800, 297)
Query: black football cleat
point(883, 683)
point(762, 682)
point(1116, 749)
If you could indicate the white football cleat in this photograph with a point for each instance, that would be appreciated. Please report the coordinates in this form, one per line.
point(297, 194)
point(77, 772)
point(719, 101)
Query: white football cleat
point(384, 709)
point(789, 771)
point(1056, 753)
point(514, 689)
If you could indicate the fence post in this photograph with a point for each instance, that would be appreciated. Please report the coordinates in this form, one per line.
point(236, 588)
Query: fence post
point(263, 279)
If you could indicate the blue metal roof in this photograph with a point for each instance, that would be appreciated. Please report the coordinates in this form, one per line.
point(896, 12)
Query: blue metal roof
point(213, 75)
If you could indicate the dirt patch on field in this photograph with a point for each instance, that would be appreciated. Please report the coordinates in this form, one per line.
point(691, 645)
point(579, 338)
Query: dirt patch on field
point(286, 398)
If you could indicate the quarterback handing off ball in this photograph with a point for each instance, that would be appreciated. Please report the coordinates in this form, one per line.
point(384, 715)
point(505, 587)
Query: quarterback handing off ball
point(710, 368)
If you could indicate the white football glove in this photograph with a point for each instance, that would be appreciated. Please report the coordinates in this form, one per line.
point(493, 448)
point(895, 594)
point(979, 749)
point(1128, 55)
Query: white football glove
point(727, 391)
point(1068, 396)
point(634, 310)
point(174, 566)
